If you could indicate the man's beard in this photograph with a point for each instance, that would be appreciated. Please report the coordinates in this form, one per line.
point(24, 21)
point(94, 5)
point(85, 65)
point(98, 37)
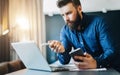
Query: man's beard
point(74, 24)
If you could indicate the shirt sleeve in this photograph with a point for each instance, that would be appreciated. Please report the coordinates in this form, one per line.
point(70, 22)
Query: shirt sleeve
point(64, 58)
point(107, 45)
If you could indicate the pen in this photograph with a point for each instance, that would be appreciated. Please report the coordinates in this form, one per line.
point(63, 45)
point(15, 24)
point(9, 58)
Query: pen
point(44, 44)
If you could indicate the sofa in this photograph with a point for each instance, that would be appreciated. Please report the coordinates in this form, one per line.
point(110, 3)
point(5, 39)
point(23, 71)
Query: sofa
point(11, 66)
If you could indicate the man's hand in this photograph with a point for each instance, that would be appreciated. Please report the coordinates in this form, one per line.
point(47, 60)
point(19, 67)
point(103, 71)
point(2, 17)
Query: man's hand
point(56, 46)
point(88, 62)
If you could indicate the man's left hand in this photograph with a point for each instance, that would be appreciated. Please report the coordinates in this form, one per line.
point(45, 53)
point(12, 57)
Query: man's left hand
point(88, 62)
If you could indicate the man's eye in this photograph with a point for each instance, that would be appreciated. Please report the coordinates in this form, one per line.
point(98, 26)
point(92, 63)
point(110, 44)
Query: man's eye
point(68, 13)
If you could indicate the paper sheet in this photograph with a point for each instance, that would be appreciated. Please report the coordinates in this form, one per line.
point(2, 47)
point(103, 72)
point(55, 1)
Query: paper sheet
point(72, 67)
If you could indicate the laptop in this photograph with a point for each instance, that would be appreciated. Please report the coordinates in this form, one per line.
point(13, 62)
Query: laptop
point(32, 58)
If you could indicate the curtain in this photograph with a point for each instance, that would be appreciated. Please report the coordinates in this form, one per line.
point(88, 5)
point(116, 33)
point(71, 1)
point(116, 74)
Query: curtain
point(4, 29)
point(26, 22)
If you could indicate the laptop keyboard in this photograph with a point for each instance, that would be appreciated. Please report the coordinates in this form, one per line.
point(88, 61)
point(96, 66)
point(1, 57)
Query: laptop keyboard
point(56, 69)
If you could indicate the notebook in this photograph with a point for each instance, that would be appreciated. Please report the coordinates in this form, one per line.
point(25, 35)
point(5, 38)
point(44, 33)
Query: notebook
point(32, 57)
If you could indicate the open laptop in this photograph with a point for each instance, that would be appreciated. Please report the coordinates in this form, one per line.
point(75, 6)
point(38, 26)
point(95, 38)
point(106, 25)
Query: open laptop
point(32, 58)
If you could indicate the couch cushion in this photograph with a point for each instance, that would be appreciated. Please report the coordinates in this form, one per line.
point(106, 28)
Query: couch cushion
point(3, 68)
point(15, 65)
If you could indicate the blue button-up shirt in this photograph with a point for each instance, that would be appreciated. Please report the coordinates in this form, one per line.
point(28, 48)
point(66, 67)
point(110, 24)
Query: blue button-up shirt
point(94, 38)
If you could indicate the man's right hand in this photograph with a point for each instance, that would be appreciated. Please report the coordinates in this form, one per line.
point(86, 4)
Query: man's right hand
point(56, 46)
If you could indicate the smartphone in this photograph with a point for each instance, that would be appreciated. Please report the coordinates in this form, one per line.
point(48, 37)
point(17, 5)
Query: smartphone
point(77, 52)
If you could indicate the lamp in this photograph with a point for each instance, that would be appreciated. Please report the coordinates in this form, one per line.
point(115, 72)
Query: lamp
point(22, 26)
point(5, 32)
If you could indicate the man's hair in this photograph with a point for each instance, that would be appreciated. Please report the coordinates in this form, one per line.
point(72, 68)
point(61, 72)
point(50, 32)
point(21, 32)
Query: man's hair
point(61, 3)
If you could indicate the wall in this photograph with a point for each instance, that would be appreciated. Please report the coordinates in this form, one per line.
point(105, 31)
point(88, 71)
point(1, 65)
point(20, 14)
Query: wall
point(55, 22)
point(53, 26)
point(87, 5)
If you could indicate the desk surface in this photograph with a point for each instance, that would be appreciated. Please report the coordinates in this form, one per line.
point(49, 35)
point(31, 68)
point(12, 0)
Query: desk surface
point(35, 72)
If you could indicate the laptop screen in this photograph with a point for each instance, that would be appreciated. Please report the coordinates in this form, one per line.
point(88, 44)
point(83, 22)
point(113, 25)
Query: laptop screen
point(31, 56)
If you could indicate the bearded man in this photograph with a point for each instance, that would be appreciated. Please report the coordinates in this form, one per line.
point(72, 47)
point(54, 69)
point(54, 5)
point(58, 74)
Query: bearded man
point(88, 32)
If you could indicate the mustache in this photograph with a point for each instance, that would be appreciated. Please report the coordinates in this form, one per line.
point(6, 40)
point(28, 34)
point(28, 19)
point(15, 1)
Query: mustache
point(69, 22)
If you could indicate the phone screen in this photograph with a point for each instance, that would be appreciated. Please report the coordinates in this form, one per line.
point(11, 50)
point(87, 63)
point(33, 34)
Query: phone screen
point(76, 52)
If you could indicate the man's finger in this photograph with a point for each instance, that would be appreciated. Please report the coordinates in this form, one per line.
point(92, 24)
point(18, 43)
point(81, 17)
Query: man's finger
point(79, 57)
point(81, 65)
point(87, 55)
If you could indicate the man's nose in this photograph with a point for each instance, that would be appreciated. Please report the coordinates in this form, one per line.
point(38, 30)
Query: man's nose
point(66, 18)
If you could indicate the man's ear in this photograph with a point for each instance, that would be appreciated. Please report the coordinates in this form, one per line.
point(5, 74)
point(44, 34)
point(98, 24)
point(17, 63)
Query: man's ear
point(79, 8)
